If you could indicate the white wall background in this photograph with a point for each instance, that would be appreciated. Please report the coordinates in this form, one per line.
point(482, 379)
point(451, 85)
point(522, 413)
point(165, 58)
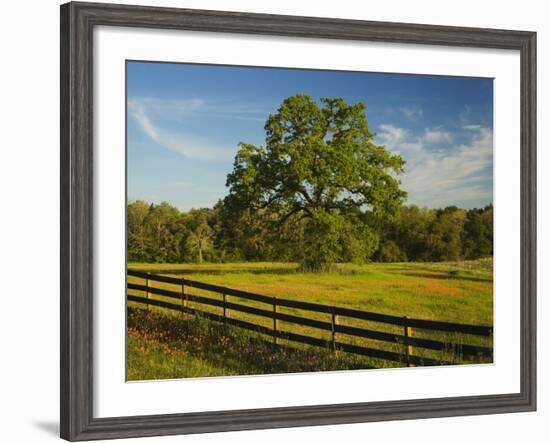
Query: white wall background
point(29, 188)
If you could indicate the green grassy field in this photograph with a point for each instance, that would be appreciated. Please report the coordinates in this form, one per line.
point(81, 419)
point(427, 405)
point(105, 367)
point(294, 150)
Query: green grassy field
point(453, 291)
point(163, 346)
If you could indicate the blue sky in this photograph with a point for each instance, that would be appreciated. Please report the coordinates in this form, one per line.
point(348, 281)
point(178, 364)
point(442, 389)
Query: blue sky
point(185, 121)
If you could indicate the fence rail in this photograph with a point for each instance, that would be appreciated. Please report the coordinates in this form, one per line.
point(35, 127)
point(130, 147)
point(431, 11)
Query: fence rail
point(406, 340)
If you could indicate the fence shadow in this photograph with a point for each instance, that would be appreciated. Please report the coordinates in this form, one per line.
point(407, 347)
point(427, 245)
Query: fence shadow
point(407, 272)
point(194, 271)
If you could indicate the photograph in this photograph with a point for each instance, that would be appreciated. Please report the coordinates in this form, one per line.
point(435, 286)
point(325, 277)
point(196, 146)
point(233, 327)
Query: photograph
point(284, 220)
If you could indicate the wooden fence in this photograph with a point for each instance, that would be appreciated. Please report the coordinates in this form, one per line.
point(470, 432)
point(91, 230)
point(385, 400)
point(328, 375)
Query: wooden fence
point(406, 340)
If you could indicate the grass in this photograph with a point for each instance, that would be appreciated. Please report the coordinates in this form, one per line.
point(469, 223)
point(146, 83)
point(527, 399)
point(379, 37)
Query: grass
point(452, 291)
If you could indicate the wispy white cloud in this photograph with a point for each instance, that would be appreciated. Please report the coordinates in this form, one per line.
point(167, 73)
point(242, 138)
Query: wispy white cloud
point(180, 108)
point(412, 113)
point(167, 105)
point(436, 136)
point(188, 145)
point(471, 127)
point(400, 139)
point(458, 174)
point(393, 137)
point(139, 112)
point(465, 114)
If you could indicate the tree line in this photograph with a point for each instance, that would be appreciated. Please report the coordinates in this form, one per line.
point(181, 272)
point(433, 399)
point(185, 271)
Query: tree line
point(161, 233)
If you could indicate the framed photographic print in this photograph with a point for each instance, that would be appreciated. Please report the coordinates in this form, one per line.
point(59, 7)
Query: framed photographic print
point(273, 221)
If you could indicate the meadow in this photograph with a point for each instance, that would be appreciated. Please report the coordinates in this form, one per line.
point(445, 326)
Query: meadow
point(162, 344)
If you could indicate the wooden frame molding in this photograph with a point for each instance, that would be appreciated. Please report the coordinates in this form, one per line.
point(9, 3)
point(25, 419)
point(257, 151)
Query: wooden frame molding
point(77, 24)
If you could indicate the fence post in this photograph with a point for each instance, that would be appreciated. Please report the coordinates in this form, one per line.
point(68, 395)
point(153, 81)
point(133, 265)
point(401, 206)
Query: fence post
point(334, 322)
point(275, 321)
point(183, 306)
point(186, 299)
point(407, 332)
point(224, 310)
point(147, 293)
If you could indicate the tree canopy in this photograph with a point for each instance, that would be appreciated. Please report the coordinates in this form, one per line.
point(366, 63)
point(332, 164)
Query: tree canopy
point(320, 166)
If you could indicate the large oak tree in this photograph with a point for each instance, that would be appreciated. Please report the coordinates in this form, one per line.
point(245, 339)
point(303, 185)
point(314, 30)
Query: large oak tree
point(319, 166)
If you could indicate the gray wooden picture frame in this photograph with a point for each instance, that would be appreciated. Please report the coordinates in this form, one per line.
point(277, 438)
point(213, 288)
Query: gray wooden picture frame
point(77, 24)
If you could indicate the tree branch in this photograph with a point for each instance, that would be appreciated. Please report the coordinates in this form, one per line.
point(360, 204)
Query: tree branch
point(304, 192)
point(295, 210)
